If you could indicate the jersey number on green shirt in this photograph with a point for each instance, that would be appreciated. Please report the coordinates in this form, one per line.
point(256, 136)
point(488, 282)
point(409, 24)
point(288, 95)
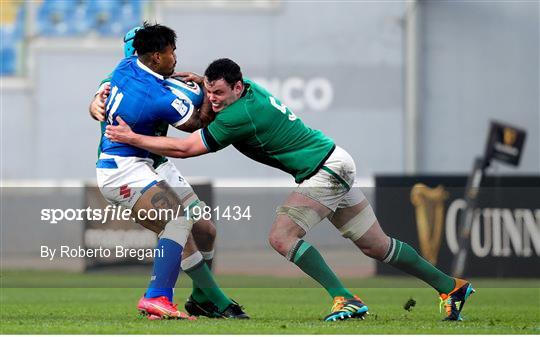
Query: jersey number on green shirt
point(282, 108)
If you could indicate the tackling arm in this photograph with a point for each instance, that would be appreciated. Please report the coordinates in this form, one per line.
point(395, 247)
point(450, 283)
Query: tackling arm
point(191, 146)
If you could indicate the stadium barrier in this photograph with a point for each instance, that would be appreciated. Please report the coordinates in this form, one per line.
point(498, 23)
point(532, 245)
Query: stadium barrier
point(41, 215)
point(425, 212)
point(241, 243)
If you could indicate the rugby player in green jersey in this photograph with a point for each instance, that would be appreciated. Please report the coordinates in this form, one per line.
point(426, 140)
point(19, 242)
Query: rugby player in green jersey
point(258, 125)
point(207, 298)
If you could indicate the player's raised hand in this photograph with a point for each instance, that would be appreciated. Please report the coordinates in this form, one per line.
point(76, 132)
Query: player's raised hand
point(104, 93)
point(188, 76)
point(120, 133)
point(97, 106)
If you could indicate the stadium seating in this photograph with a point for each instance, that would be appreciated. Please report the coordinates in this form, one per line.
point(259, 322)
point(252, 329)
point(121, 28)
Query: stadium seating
point(11, 35)
point(62, 18)
point(72, 18)
point(114, 18)
point(52, 17)
point(8, 66)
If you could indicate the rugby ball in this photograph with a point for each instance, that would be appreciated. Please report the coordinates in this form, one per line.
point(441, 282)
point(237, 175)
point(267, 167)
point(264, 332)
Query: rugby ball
point(186, 90)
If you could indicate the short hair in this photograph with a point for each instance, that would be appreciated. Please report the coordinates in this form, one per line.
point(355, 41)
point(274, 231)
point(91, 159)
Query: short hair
point(153, 38)
point(225, 69)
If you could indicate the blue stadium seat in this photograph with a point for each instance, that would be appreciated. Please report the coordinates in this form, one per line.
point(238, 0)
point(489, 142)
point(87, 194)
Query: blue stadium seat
point(106, 17)
point(79, 21)
point(8, 51)
point(11, 36)
point(54, 16)
point(8, 66)
point(131, 15)
point(114, 18)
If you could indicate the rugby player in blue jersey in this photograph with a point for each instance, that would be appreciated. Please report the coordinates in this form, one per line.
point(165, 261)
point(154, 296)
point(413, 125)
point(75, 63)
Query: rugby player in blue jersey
point(126, 176)
point(198, 253)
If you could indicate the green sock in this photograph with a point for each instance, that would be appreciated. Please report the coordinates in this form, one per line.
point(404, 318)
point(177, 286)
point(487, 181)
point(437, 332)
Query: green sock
point(206, 284)
point(197, 293)
point(405, 258)
point(307, 258)
point(209, 262)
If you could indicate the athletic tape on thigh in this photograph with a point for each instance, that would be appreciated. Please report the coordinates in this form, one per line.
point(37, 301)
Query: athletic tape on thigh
point(177, 230)
point(191, 261)
point(303, 216)
point(359, 225)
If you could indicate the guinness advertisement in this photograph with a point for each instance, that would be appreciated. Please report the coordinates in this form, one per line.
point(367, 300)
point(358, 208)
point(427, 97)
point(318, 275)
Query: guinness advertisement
point(425, 211)
point(505, 143)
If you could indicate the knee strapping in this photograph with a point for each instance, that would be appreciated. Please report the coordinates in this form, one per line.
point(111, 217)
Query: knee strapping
point(177, 230)
point(303, 216)
point(355, 228)
point(208, 255)
point(191, 261)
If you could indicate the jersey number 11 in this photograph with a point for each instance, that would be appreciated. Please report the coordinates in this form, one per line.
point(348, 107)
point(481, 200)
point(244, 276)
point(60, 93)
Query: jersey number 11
point(116, 97)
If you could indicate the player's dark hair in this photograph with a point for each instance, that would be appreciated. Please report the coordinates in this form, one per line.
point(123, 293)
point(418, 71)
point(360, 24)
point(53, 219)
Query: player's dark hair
point(225, 69)
point(153, 38)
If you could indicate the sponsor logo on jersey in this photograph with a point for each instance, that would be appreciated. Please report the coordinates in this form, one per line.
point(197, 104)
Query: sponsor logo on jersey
point(125, 191)
point(181, 106)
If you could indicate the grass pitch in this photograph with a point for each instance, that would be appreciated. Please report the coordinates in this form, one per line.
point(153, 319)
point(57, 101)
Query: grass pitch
point(105, 304)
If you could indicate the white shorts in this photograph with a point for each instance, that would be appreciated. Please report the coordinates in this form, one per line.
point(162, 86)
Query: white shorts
point(332, 185)
point(173, 177)
point(122, 180)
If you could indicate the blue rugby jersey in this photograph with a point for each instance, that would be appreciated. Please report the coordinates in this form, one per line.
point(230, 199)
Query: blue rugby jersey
point(140, 97)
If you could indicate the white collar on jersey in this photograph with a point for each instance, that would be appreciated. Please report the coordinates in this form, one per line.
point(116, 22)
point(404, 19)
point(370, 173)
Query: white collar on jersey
point(145, 68)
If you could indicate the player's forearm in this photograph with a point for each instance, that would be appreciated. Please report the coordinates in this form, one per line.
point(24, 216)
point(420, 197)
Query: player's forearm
point(97, 105)
point(194, 123)
point(199, 119)
point(165, 146)
point(206, 114)
point(90, 109)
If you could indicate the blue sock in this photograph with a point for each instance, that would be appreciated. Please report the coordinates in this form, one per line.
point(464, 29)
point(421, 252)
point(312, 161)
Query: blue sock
point(166, 270)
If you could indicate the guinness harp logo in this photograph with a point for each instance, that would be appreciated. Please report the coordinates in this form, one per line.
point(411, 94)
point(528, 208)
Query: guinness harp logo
point(509, 136)
point(429, 205)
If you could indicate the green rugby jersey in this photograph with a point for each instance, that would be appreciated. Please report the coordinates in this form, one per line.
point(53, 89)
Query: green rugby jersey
point(263, 129)
point(161, 130)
